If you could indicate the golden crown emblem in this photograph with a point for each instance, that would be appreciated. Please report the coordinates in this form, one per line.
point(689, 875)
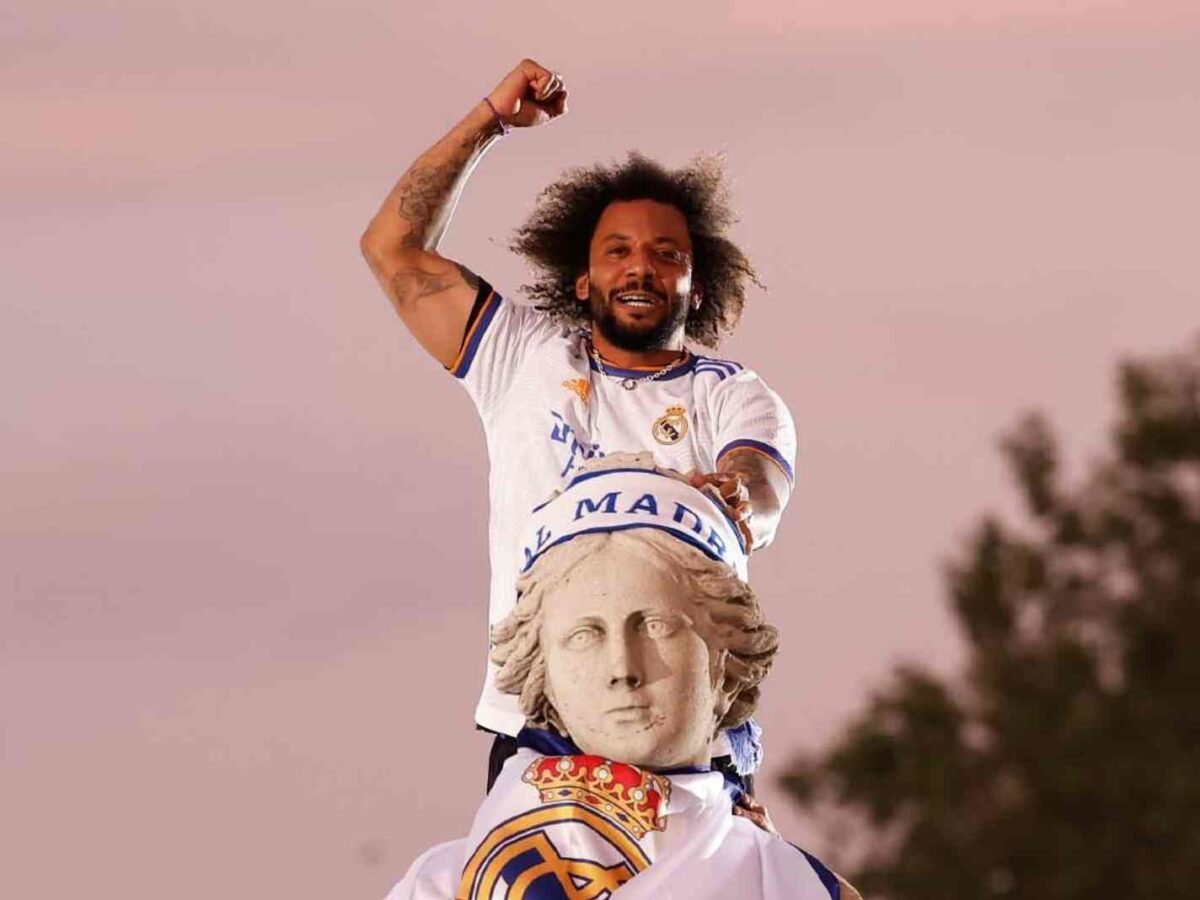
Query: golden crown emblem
point(632, 798)
point(673, 411)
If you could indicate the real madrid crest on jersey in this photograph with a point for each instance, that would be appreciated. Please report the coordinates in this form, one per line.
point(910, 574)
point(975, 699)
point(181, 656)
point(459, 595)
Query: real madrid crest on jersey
point(580, 843)
point(671, 426)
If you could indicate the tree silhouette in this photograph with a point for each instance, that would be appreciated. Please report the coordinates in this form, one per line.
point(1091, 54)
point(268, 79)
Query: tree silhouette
point(1063, 763)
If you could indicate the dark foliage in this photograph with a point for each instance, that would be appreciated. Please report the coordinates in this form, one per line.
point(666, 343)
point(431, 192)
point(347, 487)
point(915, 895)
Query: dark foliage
point(1064, 763)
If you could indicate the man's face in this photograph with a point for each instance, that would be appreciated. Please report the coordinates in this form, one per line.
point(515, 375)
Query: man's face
point(626, 669)
point(639, 280)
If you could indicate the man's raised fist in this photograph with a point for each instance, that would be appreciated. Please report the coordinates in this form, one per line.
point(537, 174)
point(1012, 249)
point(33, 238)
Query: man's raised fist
point(529, 95)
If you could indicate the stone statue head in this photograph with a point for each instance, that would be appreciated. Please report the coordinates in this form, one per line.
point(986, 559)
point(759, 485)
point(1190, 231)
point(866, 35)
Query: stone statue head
point(632, 641)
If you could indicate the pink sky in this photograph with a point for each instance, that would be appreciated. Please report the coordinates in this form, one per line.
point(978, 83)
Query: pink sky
point(242, 550)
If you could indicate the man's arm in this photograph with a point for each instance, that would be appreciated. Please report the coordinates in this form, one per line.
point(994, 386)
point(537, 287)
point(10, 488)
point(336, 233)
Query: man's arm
point(849, 891)
point(754, 489)
point(767, 491)
point(432, 294)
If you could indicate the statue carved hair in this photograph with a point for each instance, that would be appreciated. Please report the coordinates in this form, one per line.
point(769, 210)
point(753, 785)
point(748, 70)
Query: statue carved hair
point(731, 623)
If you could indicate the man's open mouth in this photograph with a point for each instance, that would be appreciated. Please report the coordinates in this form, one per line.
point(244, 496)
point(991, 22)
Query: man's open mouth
point(639, 299)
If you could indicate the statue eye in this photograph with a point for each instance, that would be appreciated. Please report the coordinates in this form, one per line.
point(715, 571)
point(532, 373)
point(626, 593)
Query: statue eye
point(660, 628)
point(582, 637)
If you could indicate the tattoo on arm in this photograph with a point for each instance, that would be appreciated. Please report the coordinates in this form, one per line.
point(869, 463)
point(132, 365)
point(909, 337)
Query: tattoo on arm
point(428, 192)
point(473, 281)
point(414, 283)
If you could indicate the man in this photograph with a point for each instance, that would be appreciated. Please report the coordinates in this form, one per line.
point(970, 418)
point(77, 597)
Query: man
point(633, 641)
point(637, 256)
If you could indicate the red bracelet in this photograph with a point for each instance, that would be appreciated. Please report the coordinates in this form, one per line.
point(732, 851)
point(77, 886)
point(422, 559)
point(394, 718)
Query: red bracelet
point(505, 128)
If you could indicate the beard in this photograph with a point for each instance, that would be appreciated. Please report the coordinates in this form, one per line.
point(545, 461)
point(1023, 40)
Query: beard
point(635, 338)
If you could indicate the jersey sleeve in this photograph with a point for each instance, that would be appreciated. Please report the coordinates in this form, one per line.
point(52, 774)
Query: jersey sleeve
point(498, 338)
point(751, 418)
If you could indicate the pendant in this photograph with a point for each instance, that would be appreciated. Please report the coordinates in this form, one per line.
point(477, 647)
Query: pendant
point(629, 383)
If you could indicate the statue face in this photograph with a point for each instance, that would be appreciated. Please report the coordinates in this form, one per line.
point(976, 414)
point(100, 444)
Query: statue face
point(626, 668)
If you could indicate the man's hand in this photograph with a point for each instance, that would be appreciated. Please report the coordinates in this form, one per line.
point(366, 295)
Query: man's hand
point(529, 95)
point(731, 487)
point(749, 808)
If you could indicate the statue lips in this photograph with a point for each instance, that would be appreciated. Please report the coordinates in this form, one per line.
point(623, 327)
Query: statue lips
point(631, 713)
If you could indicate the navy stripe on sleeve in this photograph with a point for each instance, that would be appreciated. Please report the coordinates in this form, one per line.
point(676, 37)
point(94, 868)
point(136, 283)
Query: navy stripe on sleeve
point(482, 313)
point(759, 447)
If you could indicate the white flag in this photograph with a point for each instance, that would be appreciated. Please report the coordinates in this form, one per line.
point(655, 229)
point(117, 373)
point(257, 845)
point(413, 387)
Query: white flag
point(581, 827)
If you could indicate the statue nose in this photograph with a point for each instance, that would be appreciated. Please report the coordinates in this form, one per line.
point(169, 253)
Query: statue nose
point(629, 680)
point(624, 665)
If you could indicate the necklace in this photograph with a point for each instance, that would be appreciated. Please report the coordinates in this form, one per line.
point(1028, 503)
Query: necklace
point(628, 382)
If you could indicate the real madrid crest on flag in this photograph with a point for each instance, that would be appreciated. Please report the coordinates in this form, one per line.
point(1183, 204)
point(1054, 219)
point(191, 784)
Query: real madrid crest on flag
point(671, 426)
point(582, 842)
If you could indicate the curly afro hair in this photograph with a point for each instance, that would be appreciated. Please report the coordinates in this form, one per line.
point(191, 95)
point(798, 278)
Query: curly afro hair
point(555, 239)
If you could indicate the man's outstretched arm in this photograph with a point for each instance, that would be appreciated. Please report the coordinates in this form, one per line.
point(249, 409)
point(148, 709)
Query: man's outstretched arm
point(755, 490)
point(432, 294)
point(766, 493)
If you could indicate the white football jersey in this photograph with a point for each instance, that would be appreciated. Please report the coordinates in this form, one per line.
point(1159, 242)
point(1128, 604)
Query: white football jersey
point(546, 408)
